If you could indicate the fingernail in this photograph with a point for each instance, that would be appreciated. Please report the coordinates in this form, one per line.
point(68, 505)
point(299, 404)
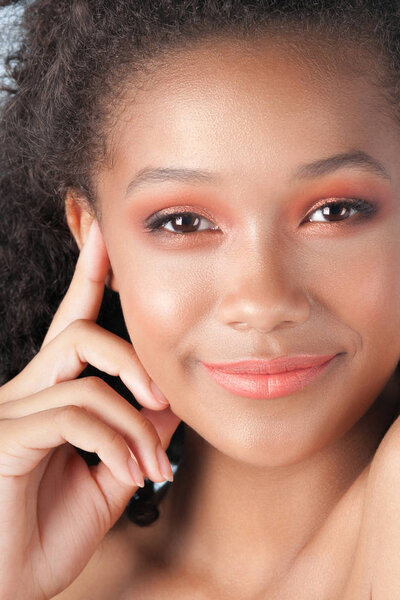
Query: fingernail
point(107, 281)
point(164, 464)
point(135, 472)
point(157, 393)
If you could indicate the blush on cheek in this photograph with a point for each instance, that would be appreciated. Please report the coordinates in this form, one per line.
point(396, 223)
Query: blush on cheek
point(164, 298)
point(370, 300)
point(379, 308)
point(153, 320)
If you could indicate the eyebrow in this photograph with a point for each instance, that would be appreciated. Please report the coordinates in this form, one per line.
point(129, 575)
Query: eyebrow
point(318, 168)
point(155, 175)
point(353, 158)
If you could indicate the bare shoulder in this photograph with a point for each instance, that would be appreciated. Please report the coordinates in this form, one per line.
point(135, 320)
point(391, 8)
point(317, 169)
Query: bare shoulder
point(378, 555)
point(385, 516)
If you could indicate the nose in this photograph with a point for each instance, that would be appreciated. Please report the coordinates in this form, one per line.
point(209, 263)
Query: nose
point(263, 287)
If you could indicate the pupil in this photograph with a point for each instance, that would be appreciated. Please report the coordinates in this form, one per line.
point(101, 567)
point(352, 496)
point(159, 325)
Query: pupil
point(336, 210)
point(184, 221)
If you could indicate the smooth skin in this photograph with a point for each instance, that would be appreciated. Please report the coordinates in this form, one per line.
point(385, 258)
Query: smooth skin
point(275, 499)
point(269, 500)
point(56, 509)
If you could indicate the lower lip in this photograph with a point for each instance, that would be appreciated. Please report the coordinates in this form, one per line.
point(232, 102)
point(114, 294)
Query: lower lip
point(266, 386)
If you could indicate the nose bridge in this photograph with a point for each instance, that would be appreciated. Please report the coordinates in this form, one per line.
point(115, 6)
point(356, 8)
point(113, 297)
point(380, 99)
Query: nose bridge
point(263, 284)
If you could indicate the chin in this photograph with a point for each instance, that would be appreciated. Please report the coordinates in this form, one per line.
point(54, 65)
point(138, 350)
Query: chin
point(260, 446)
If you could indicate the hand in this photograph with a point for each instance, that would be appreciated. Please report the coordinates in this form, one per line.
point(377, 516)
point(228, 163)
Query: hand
point(55, 509)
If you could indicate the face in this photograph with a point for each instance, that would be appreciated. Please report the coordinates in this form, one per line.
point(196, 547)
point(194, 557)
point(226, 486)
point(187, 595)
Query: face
point(261, 267)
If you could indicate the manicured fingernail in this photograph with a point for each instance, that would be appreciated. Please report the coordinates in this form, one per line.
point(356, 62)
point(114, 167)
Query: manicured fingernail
point(157, 393)
point(135, 472)
point(164, 464)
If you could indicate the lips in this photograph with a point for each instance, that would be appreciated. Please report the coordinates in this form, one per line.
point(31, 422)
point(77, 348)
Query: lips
point(269, 379)
point(277, 365)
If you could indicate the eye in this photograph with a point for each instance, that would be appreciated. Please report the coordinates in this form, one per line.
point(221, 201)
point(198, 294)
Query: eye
point(186, 222)
point(343, 210)
point(181, 222)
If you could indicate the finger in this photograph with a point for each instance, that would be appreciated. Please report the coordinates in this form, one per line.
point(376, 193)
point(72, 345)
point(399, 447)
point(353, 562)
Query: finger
point(26, 441)
point(99, 399)
point(85, 293)
point(67, 355)
point(165, 423)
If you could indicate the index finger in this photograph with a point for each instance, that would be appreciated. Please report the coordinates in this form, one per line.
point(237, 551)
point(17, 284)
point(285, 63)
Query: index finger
point(85, 293)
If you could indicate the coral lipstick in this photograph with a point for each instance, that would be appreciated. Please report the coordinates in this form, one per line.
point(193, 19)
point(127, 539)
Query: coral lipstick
point(269, 379)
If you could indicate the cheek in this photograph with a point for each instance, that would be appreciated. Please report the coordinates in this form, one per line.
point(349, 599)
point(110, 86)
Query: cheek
point(360, 285)
point(168, 300)
point(376, 289)
point(163, 300)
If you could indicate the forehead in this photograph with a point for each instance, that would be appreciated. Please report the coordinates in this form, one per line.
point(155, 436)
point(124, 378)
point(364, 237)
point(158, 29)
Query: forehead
point(240, 103)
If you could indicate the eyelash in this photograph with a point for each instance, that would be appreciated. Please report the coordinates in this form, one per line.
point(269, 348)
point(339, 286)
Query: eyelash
point(366, 210)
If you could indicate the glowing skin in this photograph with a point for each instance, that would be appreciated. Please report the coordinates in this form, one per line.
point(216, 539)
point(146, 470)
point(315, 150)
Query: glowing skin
point(260, 282)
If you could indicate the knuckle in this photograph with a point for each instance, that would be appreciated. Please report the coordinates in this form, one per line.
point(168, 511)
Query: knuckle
point(92, 385)
point(149, 430)
point(67, 414)
point(114, 438)
point(76, 327)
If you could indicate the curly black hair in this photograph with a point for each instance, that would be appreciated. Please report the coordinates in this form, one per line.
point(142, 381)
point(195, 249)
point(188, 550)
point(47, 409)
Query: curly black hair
point(59, 92)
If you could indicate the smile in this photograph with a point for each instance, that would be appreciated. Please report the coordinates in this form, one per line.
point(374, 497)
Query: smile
point(264, 385)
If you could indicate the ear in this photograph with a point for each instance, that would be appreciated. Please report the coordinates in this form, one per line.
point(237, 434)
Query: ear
point(79, 215)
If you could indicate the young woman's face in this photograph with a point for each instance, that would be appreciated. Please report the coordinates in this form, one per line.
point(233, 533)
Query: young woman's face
point(262, 269)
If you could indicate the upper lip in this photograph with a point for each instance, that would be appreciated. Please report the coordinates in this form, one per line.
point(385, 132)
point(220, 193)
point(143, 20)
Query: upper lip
point(277, 365)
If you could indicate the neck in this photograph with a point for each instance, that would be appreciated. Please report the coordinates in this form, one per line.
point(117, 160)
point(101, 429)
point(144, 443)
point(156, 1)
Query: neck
point(216, 504)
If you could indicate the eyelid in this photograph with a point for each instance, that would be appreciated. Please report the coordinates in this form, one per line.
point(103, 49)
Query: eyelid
point(363, 207)
point(192, 208)
point(172, 211)
point(159, 219)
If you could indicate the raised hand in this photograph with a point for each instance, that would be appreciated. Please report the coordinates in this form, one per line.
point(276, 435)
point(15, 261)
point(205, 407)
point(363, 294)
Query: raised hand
point(55, 508)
